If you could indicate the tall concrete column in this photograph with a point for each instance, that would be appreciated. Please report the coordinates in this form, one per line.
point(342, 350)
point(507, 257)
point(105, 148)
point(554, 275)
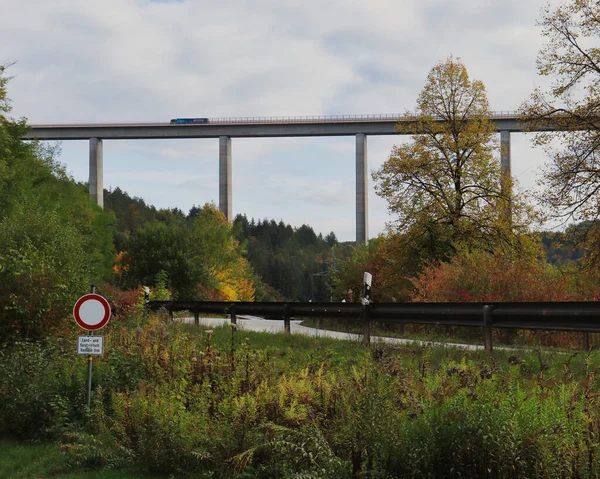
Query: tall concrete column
point(505, 152)
point(225, 176)
point(96, 172)
point(505, 171)
point(362, 198)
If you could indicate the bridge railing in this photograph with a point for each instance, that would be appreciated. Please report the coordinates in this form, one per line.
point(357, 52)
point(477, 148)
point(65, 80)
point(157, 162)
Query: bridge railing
point(331, 118)
point(561, 316)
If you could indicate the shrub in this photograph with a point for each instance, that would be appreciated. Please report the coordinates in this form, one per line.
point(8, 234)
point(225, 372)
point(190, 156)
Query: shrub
point(42, 270)
point(42, 390)
point(481, 276)
point(123, 303)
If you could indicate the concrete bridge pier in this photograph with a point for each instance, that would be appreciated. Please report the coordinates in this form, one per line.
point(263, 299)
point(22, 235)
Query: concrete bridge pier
point(225, 177)
point(362, 197)
point(96, 172)
point(505, 152)
point(505, 170)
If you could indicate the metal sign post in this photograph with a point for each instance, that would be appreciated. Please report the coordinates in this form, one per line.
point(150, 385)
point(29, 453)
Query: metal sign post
point(91, 312)
point(89, 378)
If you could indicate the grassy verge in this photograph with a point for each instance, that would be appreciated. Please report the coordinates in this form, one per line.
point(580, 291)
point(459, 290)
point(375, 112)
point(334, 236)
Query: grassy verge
point(21, 460)
point(459, 334)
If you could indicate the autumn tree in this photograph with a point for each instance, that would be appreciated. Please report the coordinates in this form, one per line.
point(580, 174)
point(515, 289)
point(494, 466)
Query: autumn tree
point(571, 58)
point(480, 276)
point(213, 239)
point(445, 186)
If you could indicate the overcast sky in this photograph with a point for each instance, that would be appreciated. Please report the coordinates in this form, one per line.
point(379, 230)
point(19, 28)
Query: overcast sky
point(149, 61)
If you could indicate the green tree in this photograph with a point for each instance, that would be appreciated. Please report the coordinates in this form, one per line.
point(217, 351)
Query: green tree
point(199, 255)
point(157, 247)
point(445, 187)
point(53, 241)
point(42, 271)
point(293, 261)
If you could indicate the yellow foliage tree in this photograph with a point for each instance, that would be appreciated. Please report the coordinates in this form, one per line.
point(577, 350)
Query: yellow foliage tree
point(232, 276)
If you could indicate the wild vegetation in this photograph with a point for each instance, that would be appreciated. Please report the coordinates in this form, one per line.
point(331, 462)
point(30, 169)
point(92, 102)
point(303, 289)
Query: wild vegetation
point(225, 403)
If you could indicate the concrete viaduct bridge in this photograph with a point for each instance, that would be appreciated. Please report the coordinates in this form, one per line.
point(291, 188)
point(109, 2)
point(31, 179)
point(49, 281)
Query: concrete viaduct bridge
point(359, 126)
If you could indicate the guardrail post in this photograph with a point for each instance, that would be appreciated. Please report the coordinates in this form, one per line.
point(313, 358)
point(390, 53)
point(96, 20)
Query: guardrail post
point(286, 319)
point(232, 315)
point(586, 341)
point(171, 315)
point(401, 329)
point(487, 327)
point(196, 318)
point(366, 325)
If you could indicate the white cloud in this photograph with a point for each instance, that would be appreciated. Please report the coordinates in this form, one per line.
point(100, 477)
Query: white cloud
point(137, 60)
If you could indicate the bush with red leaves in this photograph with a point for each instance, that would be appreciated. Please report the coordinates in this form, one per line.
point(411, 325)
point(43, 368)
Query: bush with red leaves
point(123, 303)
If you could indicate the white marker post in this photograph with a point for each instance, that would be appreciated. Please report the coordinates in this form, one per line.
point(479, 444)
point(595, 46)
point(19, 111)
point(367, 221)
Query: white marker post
point(91, 312)
point(365, 301)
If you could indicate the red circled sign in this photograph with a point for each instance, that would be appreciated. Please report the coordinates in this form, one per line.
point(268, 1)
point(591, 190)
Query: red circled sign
point(91, 312)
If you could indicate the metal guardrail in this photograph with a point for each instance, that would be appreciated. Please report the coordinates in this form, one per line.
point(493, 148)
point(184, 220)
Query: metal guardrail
point(559, 316)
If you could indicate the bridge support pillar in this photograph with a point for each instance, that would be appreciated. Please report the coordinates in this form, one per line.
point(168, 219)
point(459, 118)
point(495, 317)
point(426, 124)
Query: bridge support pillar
point(96, 172)
point(505, 171)
point(225, 176)
point(505, 152)
point(362, 198)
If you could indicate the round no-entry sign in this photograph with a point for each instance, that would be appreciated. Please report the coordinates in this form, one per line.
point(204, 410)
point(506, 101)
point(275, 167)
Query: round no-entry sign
point(91, 312)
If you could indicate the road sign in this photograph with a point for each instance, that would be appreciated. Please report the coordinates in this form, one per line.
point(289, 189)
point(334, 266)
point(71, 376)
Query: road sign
point(91, 312)
point(90, 345)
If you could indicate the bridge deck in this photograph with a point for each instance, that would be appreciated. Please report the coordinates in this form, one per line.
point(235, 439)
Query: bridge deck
point(258, 127)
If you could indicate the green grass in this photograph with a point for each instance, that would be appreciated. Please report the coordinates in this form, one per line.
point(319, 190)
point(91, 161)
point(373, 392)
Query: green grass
point(294, 351)
point(435, 333)
point(21, 460)
point(447, 334)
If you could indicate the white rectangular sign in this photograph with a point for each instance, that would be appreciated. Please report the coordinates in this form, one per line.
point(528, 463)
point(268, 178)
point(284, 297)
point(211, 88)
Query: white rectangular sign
point(90, 345)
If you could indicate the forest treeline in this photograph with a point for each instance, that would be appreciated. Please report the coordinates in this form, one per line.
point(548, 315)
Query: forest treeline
point(288, 263)
point(296, 263)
